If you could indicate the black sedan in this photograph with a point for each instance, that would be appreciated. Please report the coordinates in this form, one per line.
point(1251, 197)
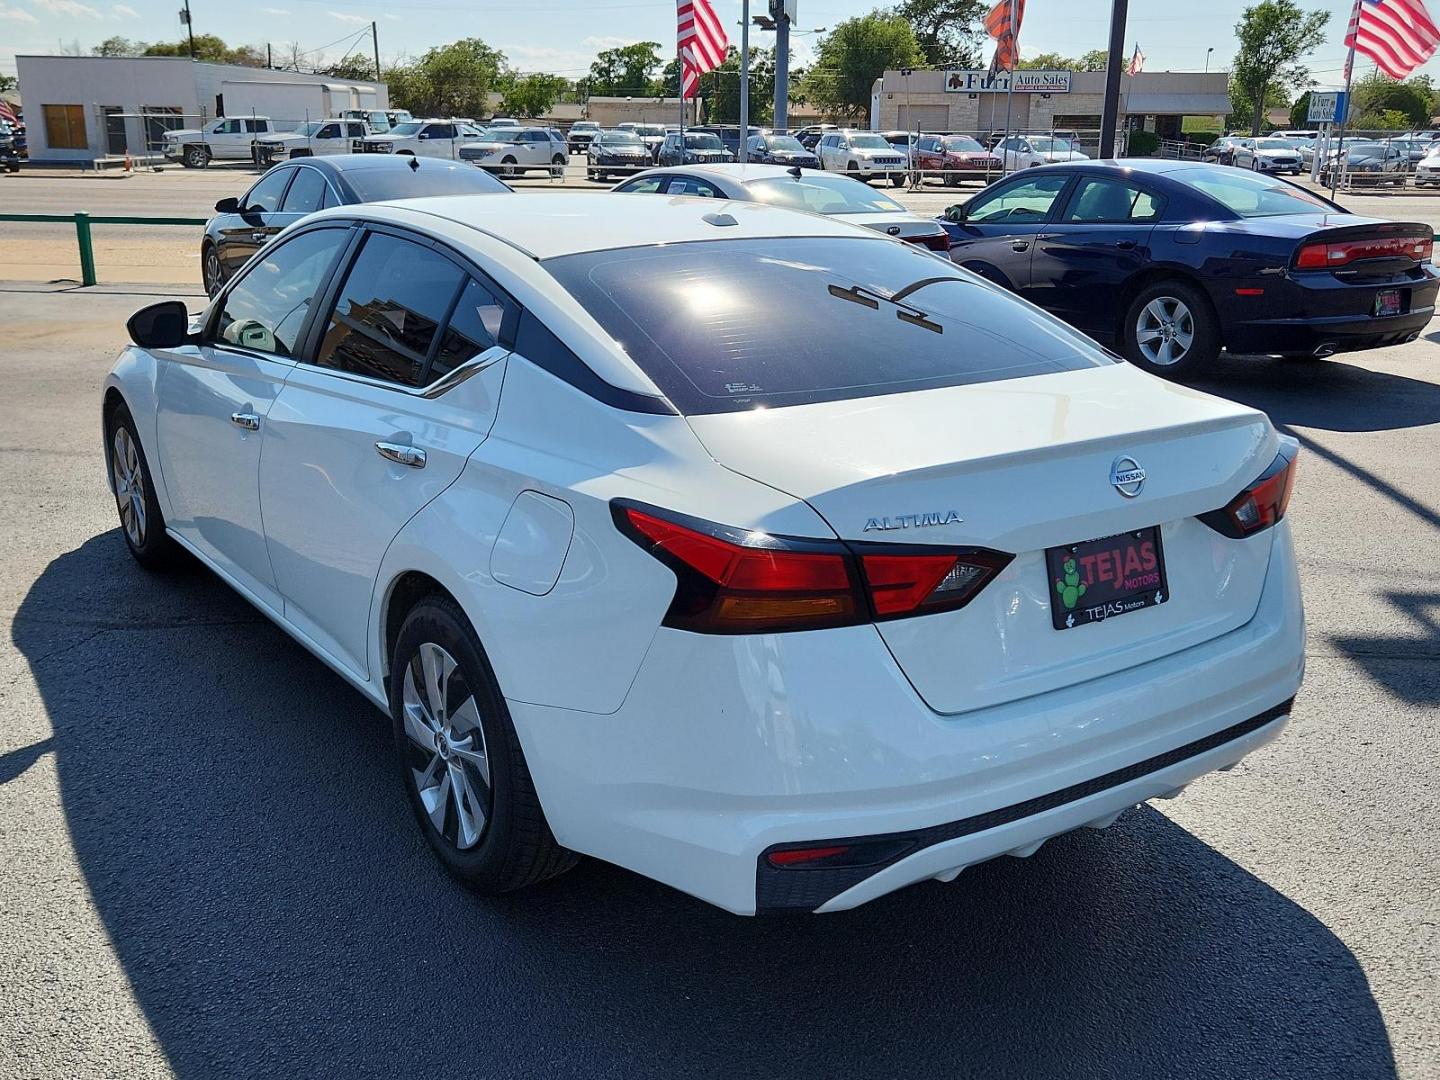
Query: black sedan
point(288, 192)
point(699, 148)
point(1172, 261)
point(773, 149)
point(611, 152)
point(1371, 164)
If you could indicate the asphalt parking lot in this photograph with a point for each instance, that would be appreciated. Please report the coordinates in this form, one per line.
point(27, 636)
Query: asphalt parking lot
point(208, 869)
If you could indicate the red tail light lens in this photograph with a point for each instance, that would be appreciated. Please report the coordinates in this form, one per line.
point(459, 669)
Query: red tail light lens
point(732, 582)
point(1264, 502)
point(934, 243)
point(1329, 255)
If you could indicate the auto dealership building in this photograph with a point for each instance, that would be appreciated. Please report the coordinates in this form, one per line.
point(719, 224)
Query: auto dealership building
point(970, 101)
point(81, 108)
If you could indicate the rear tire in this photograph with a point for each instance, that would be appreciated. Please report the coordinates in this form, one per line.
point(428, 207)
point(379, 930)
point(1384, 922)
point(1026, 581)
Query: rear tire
point(508, 168)
point(212, 270)
point(453, 733)
point(141, 522)
point(1171, 330)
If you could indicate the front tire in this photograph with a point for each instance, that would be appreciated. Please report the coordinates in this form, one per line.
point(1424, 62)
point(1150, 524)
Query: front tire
point(897, 179)
point(196, 157)
point(141, 522)
point(460, 759)
point(557, 166)
point(1171, 330)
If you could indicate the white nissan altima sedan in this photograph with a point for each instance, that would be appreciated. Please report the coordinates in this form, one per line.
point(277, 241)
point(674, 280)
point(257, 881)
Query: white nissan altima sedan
point(772, 558)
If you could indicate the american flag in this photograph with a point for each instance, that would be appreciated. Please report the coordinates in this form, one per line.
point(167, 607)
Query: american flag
point(7, 114)
point(1397, 34)
point(702, 43)
point(1003, 24)
point(1137, 62)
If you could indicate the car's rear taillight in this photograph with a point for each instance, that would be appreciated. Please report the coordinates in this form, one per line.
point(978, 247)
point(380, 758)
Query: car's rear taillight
point(938, 242)
point(1327, 255)
point(1263, 503)
point(729, 581)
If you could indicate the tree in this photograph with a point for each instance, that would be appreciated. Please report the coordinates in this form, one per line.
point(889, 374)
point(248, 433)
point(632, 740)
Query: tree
point(1273, 36)
point(1376, 94)
point(353, 66)
point(722, 88)
point(1242, 108)
point(449, 80)
point(1300, 111)
point(628, 69)
point(532, 95)
point(8, 83)
point(947, 31)
point(1094, 60)
point(852, 56)
point(118, 46)
point(209, 47)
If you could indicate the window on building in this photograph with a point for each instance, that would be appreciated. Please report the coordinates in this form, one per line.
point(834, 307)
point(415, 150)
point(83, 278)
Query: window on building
point(158, 120)
point(65, 127)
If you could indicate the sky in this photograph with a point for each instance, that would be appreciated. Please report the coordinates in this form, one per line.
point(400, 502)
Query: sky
point(563, 36)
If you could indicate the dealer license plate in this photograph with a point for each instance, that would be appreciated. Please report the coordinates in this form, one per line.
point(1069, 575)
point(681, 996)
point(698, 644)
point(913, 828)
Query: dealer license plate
point(1387, 302)
point(1099, 579)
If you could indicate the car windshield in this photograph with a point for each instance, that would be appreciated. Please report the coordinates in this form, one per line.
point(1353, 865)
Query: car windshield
point(821, 194)
point(427, 177)
point(869, 142)
point(584, 125)
point(703, 142)
point(309, 129)
point(1273, 144)
point(784, 142)
point(1249, 194)
point(732, 325)
point(1046, 145)
point(963, 144)
point(649, 129)
point(407, 129)
point(1358, 150)
point(503, 135)
point(619, 138)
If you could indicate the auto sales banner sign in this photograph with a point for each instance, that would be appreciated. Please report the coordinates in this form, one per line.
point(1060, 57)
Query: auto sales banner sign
point(961, 81)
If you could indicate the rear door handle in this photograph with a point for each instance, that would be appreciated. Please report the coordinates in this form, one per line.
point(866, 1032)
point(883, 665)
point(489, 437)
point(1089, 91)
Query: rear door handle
point(259, 237)
point(1020, 245)
point(1125, 245)
point(411, 456)
point(246, 420)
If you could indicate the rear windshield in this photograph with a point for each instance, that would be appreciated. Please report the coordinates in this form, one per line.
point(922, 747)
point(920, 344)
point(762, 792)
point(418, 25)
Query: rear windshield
point(729, 325)
point(822, 194)
point(1249, 194)
point(428, 178)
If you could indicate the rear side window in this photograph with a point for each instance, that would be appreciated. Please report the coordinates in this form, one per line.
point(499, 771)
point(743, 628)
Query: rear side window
point(1111, 201)
point(474, 327)
point(393, 300)
point(728, 325)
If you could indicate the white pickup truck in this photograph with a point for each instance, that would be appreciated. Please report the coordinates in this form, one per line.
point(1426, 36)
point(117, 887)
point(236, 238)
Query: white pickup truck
point(313, 138)
point(226, 139)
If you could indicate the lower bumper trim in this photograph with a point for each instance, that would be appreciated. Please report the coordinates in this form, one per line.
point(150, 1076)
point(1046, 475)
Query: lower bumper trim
point(806, 889)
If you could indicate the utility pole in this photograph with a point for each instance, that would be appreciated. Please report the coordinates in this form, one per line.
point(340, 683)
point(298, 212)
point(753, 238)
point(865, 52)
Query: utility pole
point(1109, 118)
point(742, 155)
point(185, 18)
point(375, 41)
point(782, 64)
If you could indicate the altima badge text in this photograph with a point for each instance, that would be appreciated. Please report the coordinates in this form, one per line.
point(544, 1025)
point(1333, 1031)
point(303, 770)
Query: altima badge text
point(913, 521)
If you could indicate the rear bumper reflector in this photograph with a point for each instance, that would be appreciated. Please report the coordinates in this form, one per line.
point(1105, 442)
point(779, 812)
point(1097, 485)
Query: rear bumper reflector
point(781, 886)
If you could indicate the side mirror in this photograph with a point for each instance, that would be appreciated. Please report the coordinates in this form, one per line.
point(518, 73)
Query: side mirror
point(165, 325)
point(228, 205)
point(422, 136)
point(957, 213)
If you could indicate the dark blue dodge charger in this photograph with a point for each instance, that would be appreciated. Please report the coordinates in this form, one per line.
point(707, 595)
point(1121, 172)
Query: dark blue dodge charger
point(1170, 261)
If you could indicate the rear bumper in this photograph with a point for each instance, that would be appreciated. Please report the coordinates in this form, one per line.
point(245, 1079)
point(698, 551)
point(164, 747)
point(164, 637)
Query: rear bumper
point(725, 747)
point(1322, 311)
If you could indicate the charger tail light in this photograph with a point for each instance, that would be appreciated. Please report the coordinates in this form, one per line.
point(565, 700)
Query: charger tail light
point(729, 581)
point(1328, 255)
point(1263, 503)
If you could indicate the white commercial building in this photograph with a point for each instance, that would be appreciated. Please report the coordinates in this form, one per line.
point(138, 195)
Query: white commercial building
point(79, 108)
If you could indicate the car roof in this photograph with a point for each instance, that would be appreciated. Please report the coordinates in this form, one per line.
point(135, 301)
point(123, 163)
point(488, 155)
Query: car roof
point(544, 225)
point(361, 162)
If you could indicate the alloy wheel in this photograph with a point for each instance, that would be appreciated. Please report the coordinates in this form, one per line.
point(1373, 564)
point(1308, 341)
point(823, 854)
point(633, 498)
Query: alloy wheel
point(129, 485)
point(1165, 331)
point(212, 271)
point(449, 762)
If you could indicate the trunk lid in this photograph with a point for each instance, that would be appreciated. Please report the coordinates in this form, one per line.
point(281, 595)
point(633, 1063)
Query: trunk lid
point(899, 223)
point(1025, 465)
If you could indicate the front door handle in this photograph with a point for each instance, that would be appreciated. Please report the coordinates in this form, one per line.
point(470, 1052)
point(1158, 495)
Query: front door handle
point(412, 456)
point(248, 421)
point(1125, 245)
point(1020, 245)
point(259, 237)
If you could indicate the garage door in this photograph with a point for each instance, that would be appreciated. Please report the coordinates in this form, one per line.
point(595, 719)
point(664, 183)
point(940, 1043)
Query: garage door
point(924, 117)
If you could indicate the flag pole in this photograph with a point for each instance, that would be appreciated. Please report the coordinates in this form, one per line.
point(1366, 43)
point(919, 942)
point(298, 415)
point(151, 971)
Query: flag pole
point(1340, 151)
point(680, 93)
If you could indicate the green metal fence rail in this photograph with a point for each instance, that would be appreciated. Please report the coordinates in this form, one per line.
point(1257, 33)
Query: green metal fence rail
point(83, 221)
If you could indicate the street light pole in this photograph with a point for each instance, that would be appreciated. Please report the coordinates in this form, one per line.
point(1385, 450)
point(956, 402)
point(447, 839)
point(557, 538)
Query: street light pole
point(782, 66)
point(742, 154)
point(1109, 117)
point(185, 14)
point(1207, 58)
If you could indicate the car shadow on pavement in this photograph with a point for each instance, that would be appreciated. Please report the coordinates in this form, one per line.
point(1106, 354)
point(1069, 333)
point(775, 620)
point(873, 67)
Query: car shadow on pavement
point(1389, 659)
point(236, 814)
point(1329, 395)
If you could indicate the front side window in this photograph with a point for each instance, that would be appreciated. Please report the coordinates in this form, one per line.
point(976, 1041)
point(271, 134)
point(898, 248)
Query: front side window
point(265, 196)
point(1102, 200)
point(441, 131)
point(393, 300)
point(730, 325)
point(229, 127)
point(306, 193)
point(1026, 201)
point(329, 131)
point(266, 307)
